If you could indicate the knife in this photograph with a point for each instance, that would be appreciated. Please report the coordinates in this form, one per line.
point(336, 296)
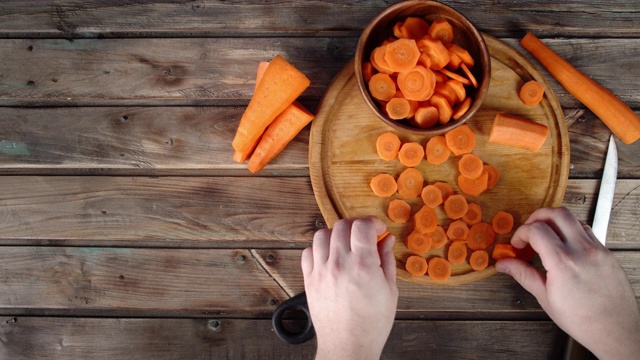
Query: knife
point(600, 224)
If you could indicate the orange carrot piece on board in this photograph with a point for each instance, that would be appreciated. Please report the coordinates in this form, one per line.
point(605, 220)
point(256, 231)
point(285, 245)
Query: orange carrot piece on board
point(457, 253)
point(444, 109)
point(279, 134)
point(454, 76)
point(410, 183)
point(494, 176)
point(280, 85)
point(418, 242)
point(469, 74)
point(436, 150)
point(388, 145)
point(431, 196)
point(531, 93)
point(459, 89)
point(398, 108)
point(384, 235)
point(481, 236)
point(399, 211)
point(473, 214)
point(378, 61)
point(402, 55)
point(502, 222)
point(417, 84)
point(383, 185)
point(461, 140)
point(461, 109)
point(438, 237)
point(445, 188)
point(619, 117)
point(455, 206)
point(416, 265)
point(441, 30)
point(410, 154)
point(479, 260)
point(458, 231)
point(462, 53)
point(435, 50)
point(415, 27)
point(503, 251)
point(382, 87)
point(367, 71)
point(439, 269)
point(473, 187)
point(426, 117)
point(425, 220)
point(518, 132)
point(471, 166)
point(262, 67)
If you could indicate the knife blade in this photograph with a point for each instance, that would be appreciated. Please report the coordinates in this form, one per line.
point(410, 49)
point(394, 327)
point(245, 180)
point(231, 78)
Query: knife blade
point(605, 196)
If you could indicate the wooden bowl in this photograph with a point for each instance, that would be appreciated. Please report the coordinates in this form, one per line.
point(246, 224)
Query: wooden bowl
point(465, 35)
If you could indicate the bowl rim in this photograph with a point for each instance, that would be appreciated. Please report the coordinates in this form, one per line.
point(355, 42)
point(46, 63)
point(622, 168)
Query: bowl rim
point(483, 87)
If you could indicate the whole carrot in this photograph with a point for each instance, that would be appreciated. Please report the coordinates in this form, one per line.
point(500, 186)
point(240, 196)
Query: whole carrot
point(622, 121)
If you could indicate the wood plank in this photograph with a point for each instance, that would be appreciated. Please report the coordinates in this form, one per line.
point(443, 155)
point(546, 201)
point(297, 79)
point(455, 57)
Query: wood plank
point(36, 338)
point(160, 211)
point(134, 282)
point(498, 296)
point(221, 71)
point(93, 18)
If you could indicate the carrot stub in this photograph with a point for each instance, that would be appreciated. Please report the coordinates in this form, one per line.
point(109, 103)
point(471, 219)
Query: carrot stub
point(455, 206)
point(479, 260)
point(410, 183)
point(417, 84)
point(439, 269)
point(399, 211)
point(481, 236)
point(503, 251)
point(461, 140)
point(457, 253)
point(531, 93)
point(416, 265)
point(502, 222)
point(382, 87)
point(411, 154)
point(418, 242)
point(445, 188)
point(458, 231)
point(388, 145)
point(438, 237)
point(383, 185)
point(473, 214)
point(436, 150)
point(470, 166)
point(431, 196)
point(425, 220)
point(402, 55)
point(518, 132)
point(473, 187)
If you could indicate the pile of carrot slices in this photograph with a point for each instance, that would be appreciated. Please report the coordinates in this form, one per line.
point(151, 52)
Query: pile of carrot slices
point(420, 74)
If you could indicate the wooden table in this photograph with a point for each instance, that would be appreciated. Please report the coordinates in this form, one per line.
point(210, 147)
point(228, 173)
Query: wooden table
point(127, 231)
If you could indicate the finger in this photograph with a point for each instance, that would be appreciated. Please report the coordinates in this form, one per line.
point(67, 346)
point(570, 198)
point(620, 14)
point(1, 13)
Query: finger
point(364, 236)
point(340, 242)
point(306, 262)
point(542, 238)
point(563, 222)
point(530, 278)
point(321, 246)
point(388, 258)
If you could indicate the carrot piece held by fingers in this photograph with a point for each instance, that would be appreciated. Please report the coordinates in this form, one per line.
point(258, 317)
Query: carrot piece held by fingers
point(518, 132)
point(609, 108)
point(280, 85)
point(503, 251)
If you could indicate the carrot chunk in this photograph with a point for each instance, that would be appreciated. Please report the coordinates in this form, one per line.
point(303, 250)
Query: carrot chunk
point(503, 251)
point(458, 231)
point(518, 132)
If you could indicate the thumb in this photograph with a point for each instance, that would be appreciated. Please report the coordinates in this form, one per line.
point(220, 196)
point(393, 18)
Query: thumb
point(530, 278)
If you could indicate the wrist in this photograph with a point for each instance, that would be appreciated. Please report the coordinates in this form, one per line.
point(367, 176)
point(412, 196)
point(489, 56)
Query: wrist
point(351, 351)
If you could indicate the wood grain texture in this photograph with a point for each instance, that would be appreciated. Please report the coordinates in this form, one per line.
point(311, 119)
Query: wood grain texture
point(93, 18)
point(36, 338)
point(134, 282)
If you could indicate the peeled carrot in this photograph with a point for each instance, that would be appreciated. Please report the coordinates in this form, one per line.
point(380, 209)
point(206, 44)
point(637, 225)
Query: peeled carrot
point(367, 71)
point(462, 53)
point(502, 222)
point(531, 93)
point(441, 30)
point(445, 188)
point(444, 109)
point(473, 214)
point(461, 140)
point(479, 260)
point(436, 150)
point(503, 251)
point(418, 242)
point(382, 87)
point(425, 220)
point(438, 237)
point(410, 183)
point(431, 196)
point(481, 236)
point(278, 135)
point(383, 185)
point(457, 253)
point(470, 76)
point(458, 231)
point(416, 265)
point(494, 176)
point(426, 117)
point(461, 109)
point(518, 132)
point(378, 61)
point(415, 27)
point(435, 50)
point(410, 154)
point(417, 84)
point(455, 206)
point(471, 166)
point(402, 55)
point(473, 187)
point(610, 109)
point(439, 269)
point(388, 145)
point(262, 67)
point(399, 211)
point(241, 157)
point(280, 85)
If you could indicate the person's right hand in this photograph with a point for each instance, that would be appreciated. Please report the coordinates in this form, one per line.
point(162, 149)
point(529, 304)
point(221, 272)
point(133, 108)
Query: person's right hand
point(584, 291)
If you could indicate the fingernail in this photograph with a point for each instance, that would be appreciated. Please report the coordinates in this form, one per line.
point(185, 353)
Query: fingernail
point(501, 268)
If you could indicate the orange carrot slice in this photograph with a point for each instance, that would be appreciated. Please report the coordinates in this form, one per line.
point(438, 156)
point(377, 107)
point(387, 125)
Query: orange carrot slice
point(531, 93)
point(431, 196)
point(461, 109)
point(425, 220)
point(388, 145)
point(479, 260)
point(461, 140)
point(398, 108)
point(445, 188)
point(410, 154)
point(473, 187)
point(471, 166)
point(503, 251)
point(439, 269)
point(383, 185)
point(418, 242)
point(402, 55)
point(426, 117)
point(438, 237)
point(399, 211)
point(481, 236)
point(417, 84)
point(382, 87)
point(435, 50)
point(410, 183)
point(473, 214)
point(502, 222)
point(470, 76)
point(455, 206)
point(436, 150)
point(457, 253)
point(494, 176)
point(441, 30)
point(416, 265)
point(458, 231)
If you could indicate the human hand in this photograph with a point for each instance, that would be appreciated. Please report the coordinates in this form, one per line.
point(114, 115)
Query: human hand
point(584, 291)
point(351, 289)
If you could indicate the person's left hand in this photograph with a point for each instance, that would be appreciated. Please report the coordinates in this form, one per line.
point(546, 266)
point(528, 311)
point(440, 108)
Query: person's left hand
point(350, 281)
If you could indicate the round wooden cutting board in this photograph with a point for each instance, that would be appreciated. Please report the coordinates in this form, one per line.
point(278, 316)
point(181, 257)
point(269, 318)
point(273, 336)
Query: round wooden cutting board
point(343, 158)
